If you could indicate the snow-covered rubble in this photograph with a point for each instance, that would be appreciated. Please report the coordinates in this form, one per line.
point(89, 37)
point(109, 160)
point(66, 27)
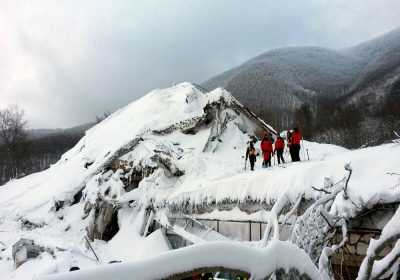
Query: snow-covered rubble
point(174, 150)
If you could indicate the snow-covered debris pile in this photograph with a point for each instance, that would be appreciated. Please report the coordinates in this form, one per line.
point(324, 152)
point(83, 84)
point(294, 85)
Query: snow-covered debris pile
point(175, 151)
point(154, 132)
point(137, 155)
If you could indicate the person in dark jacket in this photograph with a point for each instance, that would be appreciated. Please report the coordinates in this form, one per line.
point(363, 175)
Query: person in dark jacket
point(251, 154)
point(289, 143)
point(266, 148)
point(279, 147)
point(295, 141)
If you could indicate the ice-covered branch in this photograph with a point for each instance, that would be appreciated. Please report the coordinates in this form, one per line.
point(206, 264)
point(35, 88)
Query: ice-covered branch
point(393, 173)
point(294, 208)
point(382, 266)
point(312, 230)
point(348, 168)
point(273, 219)
point(260, 263)
point(321, 190)
point(397, 140)
point(327, 252)
point(370, 267)
point(338, 187)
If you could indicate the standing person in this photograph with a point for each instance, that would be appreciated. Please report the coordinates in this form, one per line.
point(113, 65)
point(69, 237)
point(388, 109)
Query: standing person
point(266, 148)
point(289, 144)
point(295, 144)
point(251, 154)
point(279, 147)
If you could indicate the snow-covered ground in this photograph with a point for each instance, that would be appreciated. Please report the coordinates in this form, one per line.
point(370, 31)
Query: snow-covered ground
point(213, 172)
point(371, 181)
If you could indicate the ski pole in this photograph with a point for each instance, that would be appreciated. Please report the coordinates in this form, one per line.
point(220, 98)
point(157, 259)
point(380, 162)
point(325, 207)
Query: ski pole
point(91, 249)
point(286, 153)
point(306, 151)
point(302, 149)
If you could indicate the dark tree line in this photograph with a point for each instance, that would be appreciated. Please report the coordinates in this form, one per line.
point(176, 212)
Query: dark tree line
point(321, 120)
point(38, 155)
point(20, 154)
point(391, 112)
point(352, 125)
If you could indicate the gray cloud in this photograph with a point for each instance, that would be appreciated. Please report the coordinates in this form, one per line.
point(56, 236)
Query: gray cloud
point(66, 61)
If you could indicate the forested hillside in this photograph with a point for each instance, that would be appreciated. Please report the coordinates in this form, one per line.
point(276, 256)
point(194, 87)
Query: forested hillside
point(43, 148)
point(328, 93)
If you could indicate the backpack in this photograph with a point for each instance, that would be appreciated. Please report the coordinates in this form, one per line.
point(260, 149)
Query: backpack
point(252, 152)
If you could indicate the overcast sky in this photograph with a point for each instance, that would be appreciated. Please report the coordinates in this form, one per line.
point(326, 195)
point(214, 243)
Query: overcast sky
point(66, 61)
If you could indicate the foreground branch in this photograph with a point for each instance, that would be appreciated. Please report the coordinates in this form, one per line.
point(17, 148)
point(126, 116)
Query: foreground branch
point(370, 267)
point(207, 257)
point(328, 252)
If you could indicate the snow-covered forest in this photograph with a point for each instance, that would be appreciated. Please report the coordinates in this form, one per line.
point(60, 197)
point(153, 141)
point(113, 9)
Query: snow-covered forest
point(160, 190)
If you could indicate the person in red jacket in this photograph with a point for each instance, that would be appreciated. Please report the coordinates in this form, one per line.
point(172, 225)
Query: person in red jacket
point(295, 141)
point(279, 147)
point(266, 148)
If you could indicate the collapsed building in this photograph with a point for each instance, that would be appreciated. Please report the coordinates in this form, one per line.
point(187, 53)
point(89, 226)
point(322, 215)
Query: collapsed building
point(172, 164)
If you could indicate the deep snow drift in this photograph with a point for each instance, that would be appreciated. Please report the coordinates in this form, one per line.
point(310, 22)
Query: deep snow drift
point(187, 147)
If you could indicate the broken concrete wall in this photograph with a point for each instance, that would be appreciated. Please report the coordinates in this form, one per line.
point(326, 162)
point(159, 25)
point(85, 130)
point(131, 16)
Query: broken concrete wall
point(368, 225)
point(103, 223)
point(24, 250)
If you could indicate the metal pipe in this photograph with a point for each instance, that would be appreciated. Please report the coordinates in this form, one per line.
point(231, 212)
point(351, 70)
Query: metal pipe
point(249, 231)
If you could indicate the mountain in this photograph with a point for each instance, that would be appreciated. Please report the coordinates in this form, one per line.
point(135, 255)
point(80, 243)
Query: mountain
point(76, 130)
point(282, 80)
point(381, 66)
point(286, 77)
point(175, 153)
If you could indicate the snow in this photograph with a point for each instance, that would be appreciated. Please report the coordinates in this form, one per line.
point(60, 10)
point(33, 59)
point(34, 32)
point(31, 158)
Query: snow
point(258, 262)
point(68, 175)
point(162, 219)
point(367, 184)
point(211, 177)
point(128, 245)
point(235, 214)
point(43, 265)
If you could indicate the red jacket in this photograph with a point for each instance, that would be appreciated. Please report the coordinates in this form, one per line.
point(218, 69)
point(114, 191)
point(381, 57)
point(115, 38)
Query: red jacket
point(266, 148)
point(279, 144)
point(296, 138)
